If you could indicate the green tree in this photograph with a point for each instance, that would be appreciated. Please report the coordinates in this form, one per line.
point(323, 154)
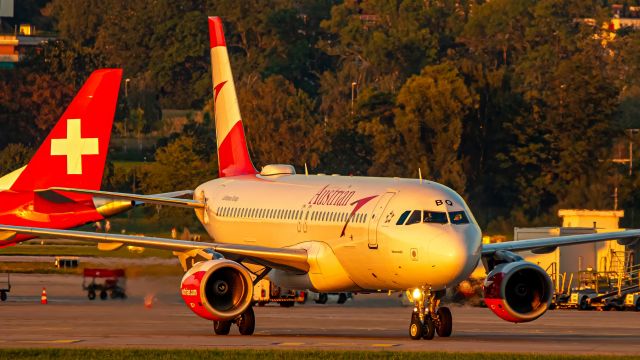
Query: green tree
point(430, 111)
point(177, 167)
point(280, 123)
point(14, 156)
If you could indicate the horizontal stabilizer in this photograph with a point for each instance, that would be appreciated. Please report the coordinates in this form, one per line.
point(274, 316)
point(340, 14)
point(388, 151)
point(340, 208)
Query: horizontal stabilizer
point(169, 199)
point(7, 235)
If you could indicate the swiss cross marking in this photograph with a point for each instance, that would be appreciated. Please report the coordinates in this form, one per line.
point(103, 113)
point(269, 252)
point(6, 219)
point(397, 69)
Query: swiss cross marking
point(74, 146)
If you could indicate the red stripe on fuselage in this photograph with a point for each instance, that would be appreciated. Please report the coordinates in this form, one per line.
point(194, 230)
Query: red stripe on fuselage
point(233, 156)
point(358, 204)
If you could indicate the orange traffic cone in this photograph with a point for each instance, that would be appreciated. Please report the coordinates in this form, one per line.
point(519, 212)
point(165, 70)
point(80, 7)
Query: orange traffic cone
point(148, 301)
point(43, 297)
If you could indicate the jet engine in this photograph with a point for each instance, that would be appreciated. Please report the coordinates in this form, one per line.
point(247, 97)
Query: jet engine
point(217, 289)
point(518, 291)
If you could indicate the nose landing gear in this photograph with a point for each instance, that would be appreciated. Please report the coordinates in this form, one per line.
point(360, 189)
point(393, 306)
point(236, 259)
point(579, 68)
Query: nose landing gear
point(428, 318)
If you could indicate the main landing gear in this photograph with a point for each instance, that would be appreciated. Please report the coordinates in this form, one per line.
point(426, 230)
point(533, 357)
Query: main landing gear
point(246, 324)
point(428, 318)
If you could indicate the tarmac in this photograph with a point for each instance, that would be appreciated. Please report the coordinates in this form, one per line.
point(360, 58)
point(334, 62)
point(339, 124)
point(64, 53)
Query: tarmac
point(369, 322)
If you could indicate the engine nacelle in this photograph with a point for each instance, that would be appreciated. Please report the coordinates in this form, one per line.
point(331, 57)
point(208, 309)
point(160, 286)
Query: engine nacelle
point(217, 289)
point(518, 291)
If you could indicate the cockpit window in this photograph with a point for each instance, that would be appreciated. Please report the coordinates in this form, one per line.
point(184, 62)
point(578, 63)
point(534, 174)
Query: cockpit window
point(403, 217)
point(458, 217)
point(435, 217)
point(415, 217)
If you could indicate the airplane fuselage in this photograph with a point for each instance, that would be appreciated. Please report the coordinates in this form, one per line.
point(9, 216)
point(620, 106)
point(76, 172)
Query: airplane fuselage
point(351, 228)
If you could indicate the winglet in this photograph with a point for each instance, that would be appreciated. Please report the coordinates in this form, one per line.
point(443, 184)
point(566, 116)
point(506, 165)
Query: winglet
point(233, 155)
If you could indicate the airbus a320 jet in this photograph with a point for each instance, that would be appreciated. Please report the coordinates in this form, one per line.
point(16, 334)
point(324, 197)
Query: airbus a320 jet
point(331, 234)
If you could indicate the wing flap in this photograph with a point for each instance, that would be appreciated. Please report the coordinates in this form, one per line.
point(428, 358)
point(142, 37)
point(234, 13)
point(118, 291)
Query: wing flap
point(283, 258)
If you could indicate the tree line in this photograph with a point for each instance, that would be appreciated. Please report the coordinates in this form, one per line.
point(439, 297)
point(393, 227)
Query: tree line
point(517, 105)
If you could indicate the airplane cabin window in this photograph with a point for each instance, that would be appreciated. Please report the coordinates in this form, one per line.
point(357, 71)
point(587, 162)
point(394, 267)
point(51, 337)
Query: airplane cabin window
point(415, 218)
point(458, 217)
point(436, 217)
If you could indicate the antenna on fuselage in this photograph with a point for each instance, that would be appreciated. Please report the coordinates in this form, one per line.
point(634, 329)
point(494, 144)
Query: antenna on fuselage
point(306, 171)
point(420, 175)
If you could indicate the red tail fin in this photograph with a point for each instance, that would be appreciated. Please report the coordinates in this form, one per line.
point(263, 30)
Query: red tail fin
point(74, 153)
point(233, 156)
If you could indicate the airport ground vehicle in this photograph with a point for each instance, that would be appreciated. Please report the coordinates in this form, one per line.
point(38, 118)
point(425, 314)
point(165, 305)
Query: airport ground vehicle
point(338, 298)
point(265, 292)
point(603, 290)
point(632, 301)
point(105, 282)
point(5, 286)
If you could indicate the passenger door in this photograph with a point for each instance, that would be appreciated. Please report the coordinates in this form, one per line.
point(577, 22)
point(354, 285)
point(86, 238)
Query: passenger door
point(376, 216)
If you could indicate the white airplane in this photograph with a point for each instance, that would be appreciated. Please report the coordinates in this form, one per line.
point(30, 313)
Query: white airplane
point(331, 234)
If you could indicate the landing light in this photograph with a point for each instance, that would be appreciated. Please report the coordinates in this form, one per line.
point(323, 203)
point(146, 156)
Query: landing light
point(417, 294)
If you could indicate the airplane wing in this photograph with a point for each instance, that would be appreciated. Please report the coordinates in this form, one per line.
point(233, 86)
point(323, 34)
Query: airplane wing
point(280, 258)
point(171, 198)
point(546, 245)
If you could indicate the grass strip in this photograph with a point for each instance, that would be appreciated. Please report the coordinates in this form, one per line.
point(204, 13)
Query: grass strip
point(117, 354)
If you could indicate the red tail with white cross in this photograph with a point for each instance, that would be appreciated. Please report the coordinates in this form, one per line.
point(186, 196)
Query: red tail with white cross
point(74, 153)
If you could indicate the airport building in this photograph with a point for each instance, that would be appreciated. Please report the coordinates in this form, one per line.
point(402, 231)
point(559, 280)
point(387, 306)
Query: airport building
point(602, 257)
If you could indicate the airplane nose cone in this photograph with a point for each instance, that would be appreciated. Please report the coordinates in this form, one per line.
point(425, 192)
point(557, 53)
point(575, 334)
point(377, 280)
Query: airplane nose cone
point(455, 256)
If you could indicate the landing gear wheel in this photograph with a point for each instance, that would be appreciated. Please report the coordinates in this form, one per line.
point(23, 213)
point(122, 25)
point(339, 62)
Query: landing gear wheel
point(583, 304)
point(322, 298)
point(342, 298)
point(247, 322)
point(429, 329)
point(287, 304)
point(221, 327)
point(416, 327)
point(444, 325)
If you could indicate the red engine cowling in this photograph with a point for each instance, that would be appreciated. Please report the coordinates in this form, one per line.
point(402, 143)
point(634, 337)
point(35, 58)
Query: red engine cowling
point(518, 291)
point(217, 289)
